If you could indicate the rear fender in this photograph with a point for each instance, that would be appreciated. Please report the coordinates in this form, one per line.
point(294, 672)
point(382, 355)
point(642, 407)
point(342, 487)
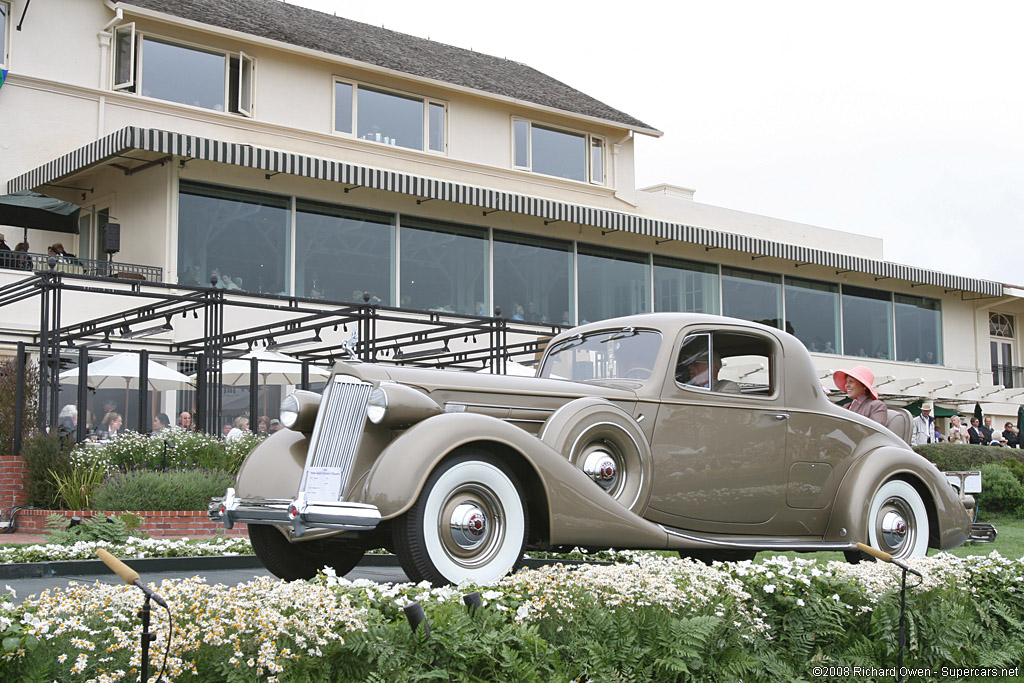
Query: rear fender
point(947, 517)
point(580, 513)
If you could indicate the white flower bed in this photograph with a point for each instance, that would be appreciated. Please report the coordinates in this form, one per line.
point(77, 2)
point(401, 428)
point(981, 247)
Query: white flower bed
point(132, 548)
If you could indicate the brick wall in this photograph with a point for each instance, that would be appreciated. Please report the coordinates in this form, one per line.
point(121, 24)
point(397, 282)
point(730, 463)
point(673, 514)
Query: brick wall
point(11, 475)
point(193, 523)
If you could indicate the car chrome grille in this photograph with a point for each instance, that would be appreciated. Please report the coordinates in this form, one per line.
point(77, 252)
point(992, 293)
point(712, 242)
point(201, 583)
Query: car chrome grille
point(339, 429)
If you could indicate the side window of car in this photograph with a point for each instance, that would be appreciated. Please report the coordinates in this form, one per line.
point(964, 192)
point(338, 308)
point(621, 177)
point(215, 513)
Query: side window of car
point(692, 366)
point(726, 362)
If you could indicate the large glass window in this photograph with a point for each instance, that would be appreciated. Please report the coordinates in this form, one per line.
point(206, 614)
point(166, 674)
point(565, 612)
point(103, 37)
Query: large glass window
point(175, 72)
point(561, 153)
point(611, 282)
point(749, 295)
point(685, 286)
point(918, 329)
point(5, 10)
point(443, 267)
point(867, 323)
point(340, 253)
point(533, 278)
point(239, 237)
point(812, 314)
point(182, 74)
point(389, 118)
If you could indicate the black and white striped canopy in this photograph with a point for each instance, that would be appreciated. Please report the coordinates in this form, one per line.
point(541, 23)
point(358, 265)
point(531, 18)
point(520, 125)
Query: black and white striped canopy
point(276, 161)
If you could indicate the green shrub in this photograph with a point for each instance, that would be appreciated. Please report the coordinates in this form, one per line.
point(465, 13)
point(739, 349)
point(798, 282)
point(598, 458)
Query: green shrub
point(158, 490)
point(8, 393)
point(173, 449)
point(1000, 491)
point(1016, 467)
point(46, 456)
point(958, 456)
point(113, 529)
point(76, 486)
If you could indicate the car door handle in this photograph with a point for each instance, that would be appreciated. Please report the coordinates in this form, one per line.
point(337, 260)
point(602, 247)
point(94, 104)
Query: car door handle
point(780, 416)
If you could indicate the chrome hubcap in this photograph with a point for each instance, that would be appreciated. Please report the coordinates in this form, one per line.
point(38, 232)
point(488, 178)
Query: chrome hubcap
point(468, 525)
point(471, 525)
point(894, 529)
point(600, 466)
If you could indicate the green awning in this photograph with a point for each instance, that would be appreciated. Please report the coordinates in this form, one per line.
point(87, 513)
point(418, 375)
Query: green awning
point(939, 411)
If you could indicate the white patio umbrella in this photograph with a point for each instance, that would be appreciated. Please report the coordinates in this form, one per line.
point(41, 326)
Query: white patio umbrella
point(275, 369)
point(122, 371)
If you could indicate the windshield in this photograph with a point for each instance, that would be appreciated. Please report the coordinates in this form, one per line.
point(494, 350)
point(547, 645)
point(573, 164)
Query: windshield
point(625, 353)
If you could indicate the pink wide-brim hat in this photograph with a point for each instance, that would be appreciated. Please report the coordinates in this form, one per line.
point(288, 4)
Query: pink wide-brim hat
point(859, 373)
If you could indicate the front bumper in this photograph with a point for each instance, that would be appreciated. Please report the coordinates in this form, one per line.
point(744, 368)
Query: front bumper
point(299, 514)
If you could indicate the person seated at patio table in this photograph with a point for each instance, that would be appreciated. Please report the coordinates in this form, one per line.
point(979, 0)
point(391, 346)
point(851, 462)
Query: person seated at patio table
point(185, 420)
point(110, 426)
point(161, 423)
point(238, 429)
point(67, 421)
point(20, 260)
point(857, 383)
point(263, 426)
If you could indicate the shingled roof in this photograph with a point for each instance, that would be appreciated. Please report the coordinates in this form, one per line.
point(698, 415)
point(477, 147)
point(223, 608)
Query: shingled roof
point(287, 23)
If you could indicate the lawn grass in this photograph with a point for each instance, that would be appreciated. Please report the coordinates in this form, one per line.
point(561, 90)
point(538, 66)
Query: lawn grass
point(1009, 543)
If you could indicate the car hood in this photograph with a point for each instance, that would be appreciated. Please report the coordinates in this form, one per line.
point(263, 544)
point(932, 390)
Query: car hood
point(496, 395)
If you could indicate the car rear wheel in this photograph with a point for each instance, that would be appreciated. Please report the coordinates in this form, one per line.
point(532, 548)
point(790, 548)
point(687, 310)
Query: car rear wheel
point(294, 561)
point(898, 521)
point(468, 523)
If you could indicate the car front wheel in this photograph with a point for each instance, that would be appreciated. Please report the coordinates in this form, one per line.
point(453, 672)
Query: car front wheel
point(293, 561)
point(898, 521)
point(469, 522)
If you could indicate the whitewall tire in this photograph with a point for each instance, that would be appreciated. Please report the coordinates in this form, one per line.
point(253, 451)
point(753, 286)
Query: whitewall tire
point(898, 520)
point(469, 523)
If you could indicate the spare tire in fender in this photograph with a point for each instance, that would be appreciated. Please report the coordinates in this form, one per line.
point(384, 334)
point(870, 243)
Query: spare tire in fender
point(607, 444)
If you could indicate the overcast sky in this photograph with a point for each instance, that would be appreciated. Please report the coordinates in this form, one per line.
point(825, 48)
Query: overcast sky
point(901, 120)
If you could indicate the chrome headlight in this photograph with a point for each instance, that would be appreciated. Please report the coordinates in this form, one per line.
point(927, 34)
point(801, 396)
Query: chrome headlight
point(397, 405)
point(377, 407)
point(298, 410)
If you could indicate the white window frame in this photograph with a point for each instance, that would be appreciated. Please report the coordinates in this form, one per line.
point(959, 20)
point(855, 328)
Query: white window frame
point(358, 85)
point(590, 140)
point(5, 34)
point(246, 92)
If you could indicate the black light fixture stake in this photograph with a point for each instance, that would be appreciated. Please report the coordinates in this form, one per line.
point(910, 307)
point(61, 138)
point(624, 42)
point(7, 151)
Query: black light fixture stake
point(902, 638)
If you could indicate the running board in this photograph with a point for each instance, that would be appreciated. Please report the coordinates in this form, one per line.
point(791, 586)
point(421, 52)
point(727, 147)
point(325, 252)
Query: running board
point(679, 540)
point(982, 533)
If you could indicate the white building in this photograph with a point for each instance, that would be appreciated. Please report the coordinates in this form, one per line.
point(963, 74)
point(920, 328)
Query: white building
point(300, 155)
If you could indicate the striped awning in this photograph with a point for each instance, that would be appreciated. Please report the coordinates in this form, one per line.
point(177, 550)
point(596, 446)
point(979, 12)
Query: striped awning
point(277, 161)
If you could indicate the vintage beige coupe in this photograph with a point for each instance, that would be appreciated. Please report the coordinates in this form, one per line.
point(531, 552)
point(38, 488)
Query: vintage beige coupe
point(707, 435)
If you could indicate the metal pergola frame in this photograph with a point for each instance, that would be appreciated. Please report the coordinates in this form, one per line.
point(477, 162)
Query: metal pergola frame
point(421, 338)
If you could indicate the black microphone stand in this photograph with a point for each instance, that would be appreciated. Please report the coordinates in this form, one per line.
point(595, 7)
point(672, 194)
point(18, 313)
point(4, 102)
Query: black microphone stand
point(903, 612)
point(147, 638)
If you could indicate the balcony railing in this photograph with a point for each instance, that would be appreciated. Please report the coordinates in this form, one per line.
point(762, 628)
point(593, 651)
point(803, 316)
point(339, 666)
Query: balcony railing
point(1010, 376)
point(40, 263)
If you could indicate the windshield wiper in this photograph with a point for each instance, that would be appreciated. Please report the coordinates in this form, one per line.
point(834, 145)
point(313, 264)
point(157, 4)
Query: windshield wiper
point(621, 334)
point(572, 341)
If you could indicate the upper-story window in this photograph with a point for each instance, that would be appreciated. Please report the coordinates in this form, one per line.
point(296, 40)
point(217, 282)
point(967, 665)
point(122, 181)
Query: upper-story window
point(560, 153)
point(5, 12)
point(389, 118)
point(177, 72)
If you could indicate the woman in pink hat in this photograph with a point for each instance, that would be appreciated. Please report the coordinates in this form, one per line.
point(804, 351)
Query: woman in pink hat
point(857, 383)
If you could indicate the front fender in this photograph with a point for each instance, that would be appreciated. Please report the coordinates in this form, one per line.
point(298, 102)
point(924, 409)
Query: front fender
point(580, 513)
point(848, 523)
point(274, 468)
